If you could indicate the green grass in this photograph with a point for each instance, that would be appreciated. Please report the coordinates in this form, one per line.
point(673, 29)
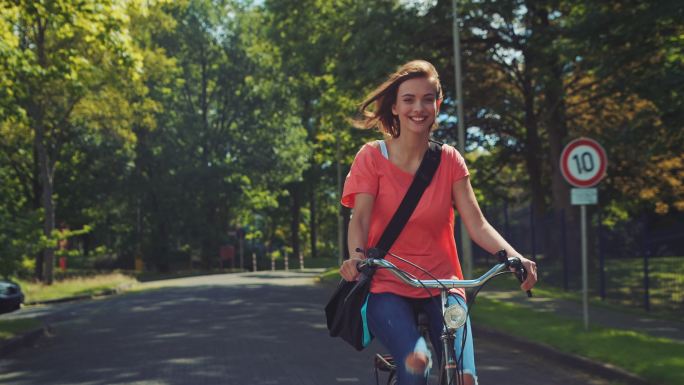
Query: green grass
point(71, 287)
point(332, 275)
point(315, 263)
point(14, 327)
point(659, 360)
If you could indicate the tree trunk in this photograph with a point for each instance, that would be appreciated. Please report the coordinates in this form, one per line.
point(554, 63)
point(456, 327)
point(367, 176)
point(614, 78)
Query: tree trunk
point(311, 176)
point(295, 208)
point(554, 106)
point(48, 204)
point(37, 205)
point(313, 230)
point(36, 114)
point(556, 127)
point(533, 152)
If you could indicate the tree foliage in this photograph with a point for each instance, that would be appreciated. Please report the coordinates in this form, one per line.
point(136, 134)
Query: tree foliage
point(162, 126)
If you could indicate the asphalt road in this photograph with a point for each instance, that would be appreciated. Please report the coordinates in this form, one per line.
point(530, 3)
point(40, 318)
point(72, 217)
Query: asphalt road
point(253, 328)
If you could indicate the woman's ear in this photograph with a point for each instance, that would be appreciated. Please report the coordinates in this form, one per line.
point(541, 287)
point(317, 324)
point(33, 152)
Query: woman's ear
point(439, 104)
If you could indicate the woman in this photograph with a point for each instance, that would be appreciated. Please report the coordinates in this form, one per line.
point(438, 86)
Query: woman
point(406, 108)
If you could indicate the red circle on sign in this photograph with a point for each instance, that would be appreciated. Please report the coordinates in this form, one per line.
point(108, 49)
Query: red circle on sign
point(565, 164)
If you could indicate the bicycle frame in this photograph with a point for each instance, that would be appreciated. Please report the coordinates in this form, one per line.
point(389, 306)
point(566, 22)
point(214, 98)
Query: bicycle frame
point(449, 365)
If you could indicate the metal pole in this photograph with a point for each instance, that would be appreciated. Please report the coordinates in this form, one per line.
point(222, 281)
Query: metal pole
point(585, 279)
point(466, 247)
point(533, 239)
point(602, 259)
point(564, 248)
point(340, 220)
point(644, 253)
point(506, 224)
point(242, 252)
point(254, 262)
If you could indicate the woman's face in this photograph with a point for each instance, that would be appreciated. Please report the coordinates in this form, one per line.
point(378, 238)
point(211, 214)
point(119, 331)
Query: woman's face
point(416, 105)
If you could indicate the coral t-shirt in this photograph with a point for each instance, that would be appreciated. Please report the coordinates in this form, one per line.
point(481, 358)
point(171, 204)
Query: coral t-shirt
point(428, 237)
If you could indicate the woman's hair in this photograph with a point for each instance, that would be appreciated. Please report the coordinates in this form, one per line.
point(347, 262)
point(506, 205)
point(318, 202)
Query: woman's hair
point(385, 96)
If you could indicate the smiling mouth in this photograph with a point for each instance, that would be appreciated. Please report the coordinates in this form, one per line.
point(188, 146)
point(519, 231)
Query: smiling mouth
point(418, 119)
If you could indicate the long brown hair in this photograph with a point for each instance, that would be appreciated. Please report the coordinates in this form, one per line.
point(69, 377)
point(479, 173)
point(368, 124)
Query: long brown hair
point(385, 96)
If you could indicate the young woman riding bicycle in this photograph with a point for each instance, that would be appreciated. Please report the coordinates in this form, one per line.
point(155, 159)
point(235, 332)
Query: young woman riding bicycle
point(405, 111)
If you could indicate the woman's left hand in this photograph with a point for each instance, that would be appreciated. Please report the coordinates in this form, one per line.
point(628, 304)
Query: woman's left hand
point(531, 269)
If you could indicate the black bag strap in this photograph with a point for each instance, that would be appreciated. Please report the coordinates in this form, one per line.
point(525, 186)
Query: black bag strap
point(421, 180)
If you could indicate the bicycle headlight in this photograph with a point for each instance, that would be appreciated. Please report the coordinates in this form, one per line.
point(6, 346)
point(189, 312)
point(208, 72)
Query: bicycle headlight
point(455, 316)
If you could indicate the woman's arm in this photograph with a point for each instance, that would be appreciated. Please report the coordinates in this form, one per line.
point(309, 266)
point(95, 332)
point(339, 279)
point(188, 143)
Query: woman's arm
point(358, 234)
point(482, 232)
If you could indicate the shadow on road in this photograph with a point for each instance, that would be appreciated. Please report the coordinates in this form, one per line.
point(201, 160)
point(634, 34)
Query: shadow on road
point(266, 332)
point(257, 334)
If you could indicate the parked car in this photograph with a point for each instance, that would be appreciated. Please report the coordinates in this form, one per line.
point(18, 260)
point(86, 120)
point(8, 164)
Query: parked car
point(11, 296)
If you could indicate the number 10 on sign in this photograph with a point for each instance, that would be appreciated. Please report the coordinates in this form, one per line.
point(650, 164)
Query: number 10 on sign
point(583, 163)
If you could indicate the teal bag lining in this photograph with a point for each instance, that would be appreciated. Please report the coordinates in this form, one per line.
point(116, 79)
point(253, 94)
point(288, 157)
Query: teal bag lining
point(367, 337)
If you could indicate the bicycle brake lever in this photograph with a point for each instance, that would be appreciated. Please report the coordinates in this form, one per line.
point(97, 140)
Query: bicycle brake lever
point(520, 273)
point(502, 255)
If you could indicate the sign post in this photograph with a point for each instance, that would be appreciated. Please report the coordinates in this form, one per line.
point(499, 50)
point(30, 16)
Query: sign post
point(583, 164)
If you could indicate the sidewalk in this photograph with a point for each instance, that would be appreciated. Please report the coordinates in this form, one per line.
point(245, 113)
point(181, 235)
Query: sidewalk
point(598, 315)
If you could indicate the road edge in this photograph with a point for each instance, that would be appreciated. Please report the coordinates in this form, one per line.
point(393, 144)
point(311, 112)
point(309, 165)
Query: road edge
point(23, 340)
point(607, 371)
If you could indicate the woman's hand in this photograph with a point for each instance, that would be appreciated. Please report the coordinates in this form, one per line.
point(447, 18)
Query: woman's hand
point(531, 269)
point(348, 270)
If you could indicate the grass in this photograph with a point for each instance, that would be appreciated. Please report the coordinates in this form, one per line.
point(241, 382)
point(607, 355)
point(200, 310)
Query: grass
point(91, 285)
point(14, 327)
point(330, 275)
point(318, 262)
point(659, 360)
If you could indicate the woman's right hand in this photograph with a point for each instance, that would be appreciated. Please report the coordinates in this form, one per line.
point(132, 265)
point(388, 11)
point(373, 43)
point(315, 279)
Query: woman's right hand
point(348, 270)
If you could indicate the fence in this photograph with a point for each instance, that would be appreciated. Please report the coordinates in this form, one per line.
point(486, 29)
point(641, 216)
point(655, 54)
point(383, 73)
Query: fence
point(639, 262)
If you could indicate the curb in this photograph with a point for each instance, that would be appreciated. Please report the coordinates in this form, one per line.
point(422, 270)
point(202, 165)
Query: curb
point(104, 293)
point(607, 371)
point(23, 340)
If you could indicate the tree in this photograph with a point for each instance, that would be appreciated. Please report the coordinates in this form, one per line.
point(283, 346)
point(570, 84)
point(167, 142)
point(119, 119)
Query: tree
point(70, 53)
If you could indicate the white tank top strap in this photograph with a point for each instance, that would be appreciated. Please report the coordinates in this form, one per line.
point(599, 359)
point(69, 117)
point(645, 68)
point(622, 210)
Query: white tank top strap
point(383, 148)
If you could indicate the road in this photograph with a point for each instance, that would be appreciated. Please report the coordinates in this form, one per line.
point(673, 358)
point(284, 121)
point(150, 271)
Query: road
point(252, 328)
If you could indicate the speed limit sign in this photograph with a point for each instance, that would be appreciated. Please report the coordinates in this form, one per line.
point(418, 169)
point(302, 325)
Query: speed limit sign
point(583, 162)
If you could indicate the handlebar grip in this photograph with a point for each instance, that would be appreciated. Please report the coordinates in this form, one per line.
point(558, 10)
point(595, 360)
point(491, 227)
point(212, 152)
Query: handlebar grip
point(522, 276)
point(520, 271)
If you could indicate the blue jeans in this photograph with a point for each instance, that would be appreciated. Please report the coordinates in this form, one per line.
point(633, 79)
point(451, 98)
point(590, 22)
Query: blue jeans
point(392, 320)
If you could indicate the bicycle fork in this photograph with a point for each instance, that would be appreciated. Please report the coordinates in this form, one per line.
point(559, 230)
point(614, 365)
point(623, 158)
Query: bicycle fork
point(449, 363)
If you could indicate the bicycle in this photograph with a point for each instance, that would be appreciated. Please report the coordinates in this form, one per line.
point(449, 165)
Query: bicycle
point(454, 316)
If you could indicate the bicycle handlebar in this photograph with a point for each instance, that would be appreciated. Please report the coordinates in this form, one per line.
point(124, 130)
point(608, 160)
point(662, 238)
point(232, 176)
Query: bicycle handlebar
point(505, 264)
point(432, 283)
